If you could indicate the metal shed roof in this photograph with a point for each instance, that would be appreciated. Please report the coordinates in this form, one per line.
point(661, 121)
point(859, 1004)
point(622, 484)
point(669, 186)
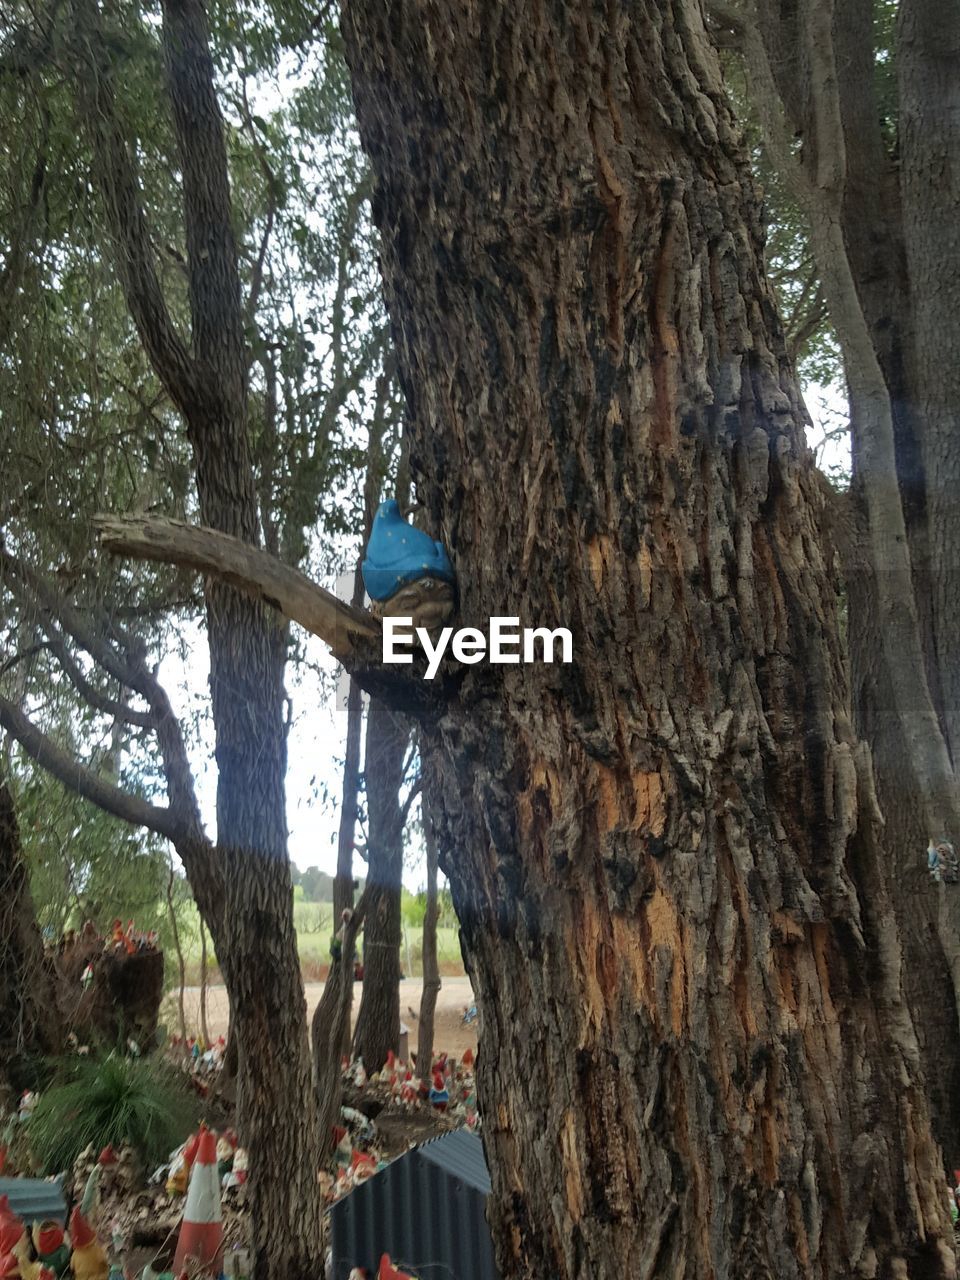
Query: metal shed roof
point(35, 1199)
point(427, 1210)
point(461, 1155)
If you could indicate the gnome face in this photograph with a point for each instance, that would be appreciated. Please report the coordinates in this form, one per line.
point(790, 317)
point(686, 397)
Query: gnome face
point(429, 602)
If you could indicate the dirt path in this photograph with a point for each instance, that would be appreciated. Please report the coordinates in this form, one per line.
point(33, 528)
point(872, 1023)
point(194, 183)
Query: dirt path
point(450, 1034)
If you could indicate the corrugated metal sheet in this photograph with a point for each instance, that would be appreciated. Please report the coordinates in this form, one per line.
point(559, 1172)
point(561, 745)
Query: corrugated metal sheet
point(427, 1210)
point(35, 1199)
point(460, 1154)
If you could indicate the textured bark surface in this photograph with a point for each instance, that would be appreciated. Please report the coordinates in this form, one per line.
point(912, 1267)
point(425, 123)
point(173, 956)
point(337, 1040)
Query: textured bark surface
point(331, 1027)
point(871, 214)
point(928, 69)
point(431, 966)
point(378, 1018)
point(247, 652)
point(696, 1060)
point(30, 1022)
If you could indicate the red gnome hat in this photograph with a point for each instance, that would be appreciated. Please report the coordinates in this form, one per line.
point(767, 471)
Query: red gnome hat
point(81, 1233)
point(49, 1238)
point(8, 1220)
point(389, 1272)
point(11, 1230)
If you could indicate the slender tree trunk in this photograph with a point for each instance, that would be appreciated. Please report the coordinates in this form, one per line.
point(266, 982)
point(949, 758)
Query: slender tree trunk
point(378, 1018)
point(204, 1029)
point(431, 967)
point(347, 832)
point(246, 639)
point(30, 1019)
point(331, 1024)
point(343, 889)
point(696, 1059)
point(181, 964)
point(343, 883)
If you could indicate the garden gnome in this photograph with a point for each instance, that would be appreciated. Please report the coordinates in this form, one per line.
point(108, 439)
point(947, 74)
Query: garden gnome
point(336, 942)
point(12, 1232)
point(51, 1246)
point(439, 1094)
point(88, 1261)
point(389, 1272)
point(180, 1167)
point(241, 1164)
point(406, 573)
point(362, 1166)
point(225, 1150)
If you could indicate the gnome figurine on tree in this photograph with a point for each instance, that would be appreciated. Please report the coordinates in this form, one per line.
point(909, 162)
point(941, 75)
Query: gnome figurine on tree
point(406, 573)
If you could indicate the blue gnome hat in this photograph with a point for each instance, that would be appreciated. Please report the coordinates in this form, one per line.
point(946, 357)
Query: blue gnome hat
point(398, 553)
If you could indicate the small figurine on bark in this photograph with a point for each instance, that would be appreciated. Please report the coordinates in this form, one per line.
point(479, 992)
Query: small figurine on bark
point(406, 573)
point(942, 861)
point(336, 942)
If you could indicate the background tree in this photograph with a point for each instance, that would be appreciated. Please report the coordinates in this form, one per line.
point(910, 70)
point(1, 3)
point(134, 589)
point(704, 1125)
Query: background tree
point(431, 967)
point(857, 105)
point(247, 435)
point(386, 767)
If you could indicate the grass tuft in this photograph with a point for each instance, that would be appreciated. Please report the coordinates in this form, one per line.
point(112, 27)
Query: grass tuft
point(142, 1102)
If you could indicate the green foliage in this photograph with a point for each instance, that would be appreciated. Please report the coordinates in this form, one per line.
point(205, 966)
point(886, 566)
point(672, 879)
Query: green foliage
point(317, 886)
point(142, 1102)
point(85, 865)
point(413, 908)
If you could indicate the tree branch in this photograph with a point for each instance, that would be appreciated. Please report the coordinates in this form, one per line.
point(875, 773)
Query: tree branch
point(119, 184)
point(130, 669)
point(91, 694)
point(342, 627)
point(81, 780)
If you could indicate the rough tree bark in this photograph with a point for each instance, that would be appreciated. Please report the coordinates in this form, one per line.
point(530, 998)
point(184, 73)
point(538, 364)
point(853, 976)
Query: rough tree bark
point(247, 655)
point(30, 1022)
point(378, 1018)
point(331, 1026)
point(181, 963)
point(696, 1059)
point(204, 1029)
point(431, 967)
point(812, 75)
point(928, 74)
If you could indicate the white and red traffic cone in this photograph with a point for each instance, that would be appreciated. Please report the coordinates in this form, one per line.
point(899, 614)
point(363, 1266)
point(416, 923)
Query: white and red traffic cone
point(201, 1233)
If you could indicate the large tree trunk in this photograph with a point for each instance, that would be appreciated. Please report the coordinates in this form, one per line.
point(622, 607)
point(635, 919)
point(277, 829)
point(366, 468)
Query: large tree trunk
point(696, 1059)
point(928, 69)
point(378, 1018)
point(30, 1022)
